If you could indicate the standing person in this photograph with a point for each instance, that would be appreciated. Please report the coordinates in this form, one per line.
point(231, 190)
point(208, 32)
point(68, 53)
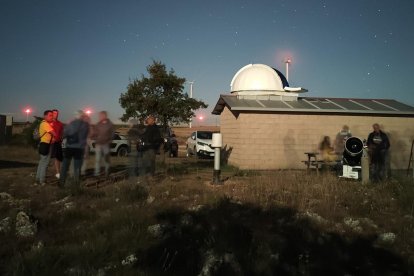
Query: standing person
point(46, 133)
point(173, 146)
point(340, 139)
point(56, 148)
point(103, 134)
point(87, 119)
point(150, 142)
point(75, 133)
point(134, 134)
point(378, 145)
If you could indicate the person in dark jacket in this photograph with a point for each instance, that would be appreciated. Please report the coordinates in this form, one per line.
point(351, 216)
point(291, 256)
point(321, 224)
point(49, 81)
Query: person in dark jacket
point(75, 136)
point(378, 145)
point(147, 148)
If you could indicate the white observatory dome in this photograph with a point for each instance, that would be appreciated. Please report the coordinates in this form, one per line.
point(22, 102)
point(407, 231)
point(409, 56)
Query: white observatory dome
point(257, 77)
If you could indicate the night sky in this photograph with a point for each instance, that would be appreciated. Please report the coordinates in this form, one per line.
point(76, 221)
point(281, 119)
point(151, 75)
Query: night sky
point(75, 55)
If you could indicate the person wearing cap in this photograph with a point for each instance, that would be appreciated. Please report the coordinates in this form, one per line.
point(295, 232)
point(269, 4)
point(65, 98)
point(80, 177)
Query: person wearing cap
point(150, 142)
point(103, 133)
point(75, 136)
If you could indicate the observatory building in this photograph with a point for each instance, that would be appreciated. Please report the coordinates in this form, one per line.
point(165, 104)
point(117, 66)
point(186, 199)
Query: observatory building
point(268, 125)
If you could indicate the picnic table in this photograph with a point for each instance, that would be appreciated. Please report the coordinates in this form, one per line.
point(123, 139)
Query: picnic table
point(313, 161)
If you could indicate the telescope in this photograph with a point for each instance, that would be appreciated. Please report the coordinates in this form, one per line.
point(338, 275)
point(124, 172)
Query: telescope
point(351, 158)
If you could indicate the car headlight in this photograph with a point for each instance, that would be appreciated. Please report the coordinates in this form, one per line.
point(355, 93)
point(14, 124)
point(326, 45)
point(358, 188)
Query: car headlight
point(201, 143)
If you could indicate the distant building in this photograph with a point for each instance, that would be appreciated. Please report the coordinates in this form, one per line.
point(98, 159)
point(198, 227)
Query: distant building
point(6, 128)
point(266, 125)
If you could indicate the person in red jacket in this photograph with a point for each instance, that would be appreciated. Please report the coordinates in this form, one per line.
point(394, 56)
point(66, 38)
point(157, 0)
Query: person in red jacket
point(56, 147)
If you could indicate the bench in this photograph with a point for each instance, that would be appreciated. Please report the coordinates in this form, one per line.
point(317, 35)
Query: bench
point(313, 162)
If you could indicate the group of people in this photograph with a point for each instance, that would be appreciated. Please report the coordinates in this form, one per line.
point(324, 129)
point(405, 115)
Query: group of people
point(377, 143)
point(71, 142)
point(64, 143)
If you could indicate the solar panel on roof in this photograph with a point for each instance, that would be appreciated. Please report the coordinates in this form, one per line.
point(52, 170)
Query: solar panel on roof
point(320, 105)
point(373, 105)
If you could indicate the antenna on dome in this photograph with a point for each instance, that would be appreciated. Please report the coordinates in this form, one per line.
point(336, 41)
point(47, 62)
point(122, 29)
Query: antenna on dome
point(191, 95)
point(287, 61)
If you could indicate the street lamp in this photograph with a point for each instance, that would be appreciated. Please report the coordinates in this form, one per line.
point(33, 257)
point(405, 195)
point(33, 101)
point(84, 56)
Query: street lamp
point(27, 111)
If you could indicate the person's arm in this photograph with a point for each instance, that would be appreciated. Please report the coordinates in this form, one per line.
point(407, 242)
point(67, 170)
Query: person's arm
point(386, 141)
point(369, 140)
point(49, 129)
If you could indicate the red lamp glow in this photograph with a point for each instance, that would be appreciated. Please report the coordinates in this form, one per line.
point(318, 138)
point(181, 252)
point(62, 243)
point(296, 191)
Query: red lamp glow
point(27, 111)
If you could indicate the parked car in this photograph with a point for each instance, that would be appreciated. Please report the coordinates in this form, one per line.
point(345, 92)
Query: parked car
point(199, 144)
point(120, 145)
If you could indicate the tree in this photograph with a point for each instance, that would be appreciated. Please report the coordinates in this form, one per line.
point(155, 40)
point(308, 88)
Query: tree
point(160, 94)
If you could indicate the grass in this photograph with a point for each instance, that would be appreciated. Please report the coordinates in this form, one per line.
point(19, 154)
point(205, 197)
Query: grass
point(257, 223)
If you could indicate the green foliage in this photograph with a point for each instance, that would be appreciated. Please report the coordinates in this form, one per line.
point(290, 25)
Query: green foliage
point(161, 94)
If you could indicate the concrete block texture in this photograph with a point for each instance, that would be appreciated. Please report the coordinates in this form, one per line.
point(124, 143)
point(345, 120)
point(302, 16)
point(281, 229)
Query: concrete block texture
point(279, 141)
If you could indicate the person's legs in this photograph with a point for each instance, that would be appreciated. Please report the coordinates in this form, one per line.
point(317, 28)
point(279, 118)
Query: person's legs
point(151, 162)
point(67, 157)
point(58, 157)
point(98, 156)
point(42, 167)
point(84, 159)
point(133, 164)
point(140, 163)
point(382, 167)
point(77, 164)
point(107, 158)
point(145, 162)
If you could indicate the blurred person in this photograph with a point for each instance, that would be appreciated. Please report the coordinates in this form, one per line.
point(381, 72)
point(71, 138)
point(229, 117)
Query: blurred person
point(326, 150)
point(46, 133)
point(87, 119)
point(378, 146)
point(103, 134)
point(340, 139)
point(56, 148)
point(134, 135)
point(173, 146)
point(150, 142)
point(75, 134)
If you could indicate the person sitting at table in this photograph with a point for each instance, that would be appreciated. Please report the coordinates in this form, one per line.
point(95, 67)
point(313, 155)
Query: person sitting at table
point(326, 150)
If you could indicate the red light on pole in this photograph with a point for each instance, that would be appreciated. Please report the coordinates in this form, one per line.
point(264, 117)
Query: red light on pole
point(88, 112)
point(27, 111)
